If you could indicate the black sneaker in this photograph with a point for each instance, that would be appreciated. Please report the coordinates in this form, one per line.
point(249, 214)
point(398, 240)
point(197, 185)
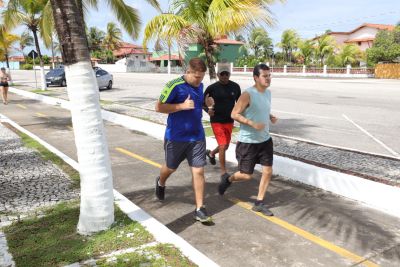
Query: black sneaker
point(263, 209)
point(224, 184)
point(160, 190)
point(201, 215)
point(210, 159)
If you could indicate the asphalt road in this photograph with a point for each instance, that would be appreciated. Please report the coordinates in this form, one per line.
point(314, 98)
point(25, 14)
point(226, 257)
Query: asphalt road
point(360, 114)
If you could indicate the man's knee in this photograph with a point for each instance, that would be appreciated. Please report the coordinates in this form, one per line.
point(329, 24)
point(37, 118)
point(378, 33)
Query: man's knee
point(223, 147)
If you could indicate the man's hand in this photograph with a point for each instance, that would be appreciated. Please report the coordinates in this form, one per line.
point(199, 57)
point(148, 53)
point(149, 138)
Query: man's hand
point(273, 119)
point(257, 125)
point(209, 101)
point(188, 104)
point(211, 112)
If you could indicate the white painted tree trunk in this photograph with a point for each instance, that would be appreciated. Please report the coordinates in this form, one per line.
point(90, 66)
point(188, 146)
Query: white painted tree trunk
point(43, 79)
point(97, 208)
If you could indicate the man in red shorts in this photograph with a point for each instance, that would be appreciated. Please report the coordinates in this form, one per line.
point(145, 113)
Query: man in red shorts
point(225, 94)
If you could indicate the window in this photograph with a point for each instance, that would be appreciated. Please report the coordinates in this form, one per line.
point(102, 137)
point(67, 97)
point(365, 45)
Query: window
point(359, 43)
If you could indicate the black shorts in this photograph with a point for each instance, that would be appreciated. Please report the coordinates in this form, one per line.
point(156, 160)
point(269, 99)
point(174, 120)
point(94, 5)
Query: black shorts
point(248, 155)
point(176, 152)
point(4, 84)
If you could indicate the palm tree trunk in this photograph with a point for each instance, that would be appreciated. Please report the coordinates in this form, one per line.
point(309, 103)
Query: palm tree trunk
point(52, 51)
point(7, 61)
point(208, 50)
point(97, 200)
point(42, 76)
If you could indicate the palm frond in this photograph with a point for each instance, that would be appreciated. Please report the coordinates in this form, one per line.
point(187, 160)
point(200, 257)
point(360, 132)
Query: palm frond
point(127, 16)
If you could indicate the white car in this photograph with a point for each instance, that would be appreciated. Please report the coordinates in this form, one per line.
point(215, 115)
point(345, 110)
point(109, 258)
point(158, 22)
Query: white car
point(104, 79)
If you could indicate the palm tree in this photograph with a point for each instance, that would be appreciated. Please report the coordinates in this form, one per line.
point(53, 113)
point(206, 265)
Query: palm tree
point(203, 21)
point(126, 15)
point(113, 37)
point(289, 41)
point(25, 39)
point(32, 15)
point(260, 42)
point(95, 38)
point(349, 54)
point(96, 210)
point(306, 50)
point(324, 47)
point(7, 40)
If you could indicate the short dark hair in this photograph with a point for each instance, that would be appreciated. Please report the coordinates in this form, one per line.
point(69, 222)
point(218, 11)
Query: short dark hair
point(2, 68)
point(257, 68)
point(197, 64)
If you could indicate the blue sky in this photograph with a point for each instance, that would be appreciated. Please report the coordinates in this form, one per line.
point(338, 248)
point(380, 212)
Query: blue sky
point(307, 17)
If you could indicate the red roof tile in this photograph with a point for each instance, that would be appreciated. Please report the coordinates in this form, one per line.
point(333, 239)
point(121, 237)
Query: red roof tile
point(228, 41)
point(165, 57)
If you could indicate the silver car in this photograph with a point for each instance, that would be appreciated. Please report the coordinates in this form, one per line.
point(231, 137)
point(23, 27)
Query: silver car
point(104, 79)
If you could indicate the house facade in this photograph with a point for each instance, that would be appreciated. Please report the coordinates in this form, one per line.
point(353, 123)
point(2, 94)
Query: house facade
point(362, 36)
point(228, 50)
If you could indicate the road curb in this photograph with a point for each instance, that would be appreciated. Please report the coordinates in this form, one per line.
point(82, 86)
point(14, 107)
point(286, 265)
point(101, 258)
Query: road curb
point(160, 232)
point(376, 195)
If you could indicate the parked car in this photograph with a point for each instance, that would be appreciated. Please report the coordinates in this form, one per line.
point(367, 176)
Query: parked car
point(104, 79)
point(57, 77)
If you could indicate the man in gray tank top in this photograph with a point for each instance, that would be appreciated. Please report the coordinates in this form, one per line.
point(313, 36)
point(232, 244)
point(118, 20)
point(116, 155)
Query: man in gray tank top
point(254, 146)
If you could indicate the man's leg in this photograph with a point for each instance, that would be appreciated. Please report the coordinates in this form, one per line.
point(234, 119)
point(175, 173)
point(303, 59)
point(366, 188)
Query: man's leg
point(3, 92)
point(222, 149)
point(227, 181)
point(198, 185)
point(6, 94)
point(165, 173)
point(264, 182)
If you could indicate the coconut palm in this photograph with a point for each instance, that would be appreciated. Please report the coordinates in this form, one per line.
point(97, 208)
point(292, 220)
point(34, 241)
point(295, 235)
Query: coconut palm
point(203, 21)
point(126, 15)
point(260, 42)
point(113, 37)
point(7, 40)
point(306, 50)
point(31, 14)
point(25, 40)
point(289, 41)
point(349, 54)
point(95, 38)
point(96, 210)
point(324, 47)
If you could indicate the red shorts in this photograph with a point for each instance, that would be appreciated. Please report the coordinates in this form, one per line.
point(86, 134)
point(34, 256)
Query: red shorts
point(222, 132)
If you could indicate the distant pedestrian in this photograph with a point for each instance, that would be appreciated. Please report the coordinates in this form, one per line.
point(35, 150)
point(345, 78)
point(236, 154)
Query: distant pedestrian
point(254, 146)
point(182, 99)
point(4, 79)
point(225, 93)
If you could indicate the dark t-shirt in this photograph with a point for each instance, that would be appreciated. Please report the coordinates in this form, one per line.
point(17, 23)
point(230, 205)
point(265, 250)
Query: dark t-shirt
point(225, 97)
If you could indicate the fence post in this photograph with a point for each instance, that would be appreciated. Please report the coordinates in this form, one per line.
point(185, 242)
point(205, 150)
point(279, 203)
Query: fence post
point(284, 69)
point(245, 68)
point(267, 64)
point(348, 68)
point(231, 67)
point(216, 67)
point(325, 70)
point(304, 69)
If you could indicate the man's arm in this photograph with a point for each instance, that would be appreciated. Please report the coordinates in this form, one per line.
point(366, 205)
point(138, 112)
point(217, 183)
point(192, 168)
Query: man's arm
point(171, 108)
point(242, 103)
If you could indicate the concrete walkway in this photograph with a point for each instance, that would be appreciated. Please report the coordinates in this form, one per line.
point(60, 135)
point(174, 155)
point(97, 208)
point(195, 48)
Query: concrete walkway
point(311, 227)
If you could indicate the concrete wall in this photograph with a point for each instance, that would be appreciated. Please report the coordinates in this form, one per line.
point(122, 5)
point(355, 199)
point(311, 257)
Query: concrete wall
point(387, 71)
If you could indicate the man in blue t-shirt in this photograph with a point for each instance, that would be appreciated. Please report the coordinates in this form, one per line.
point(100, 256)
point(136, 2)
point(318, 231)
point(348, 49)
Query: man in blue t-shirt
point(182, 99)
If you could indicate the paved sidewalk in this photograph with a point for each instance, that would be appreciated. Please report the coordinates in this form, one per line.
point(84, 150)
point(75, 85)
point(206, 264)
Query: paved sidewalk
point(26, 180)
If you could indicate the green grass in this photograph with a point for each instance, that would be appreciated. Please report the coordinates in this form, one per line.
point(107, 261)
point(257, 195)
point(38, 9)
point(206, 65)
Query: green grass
point(43, 92)
point(53, 241)
point(209, 132)
point(157, 256)
point(47, 155)
point(106, 102)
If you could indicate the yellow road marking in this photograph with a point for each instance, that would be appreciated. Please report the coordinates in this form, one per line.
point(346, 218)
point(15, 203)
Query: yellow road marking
point(133, 155)
point(21, 106)
point(323, 243)
point(290, 227)
point(41, 114)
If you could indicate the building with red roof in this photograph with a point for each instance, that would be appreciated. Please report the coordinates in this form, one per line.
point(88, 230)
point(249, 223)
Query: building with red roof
point(363, 36)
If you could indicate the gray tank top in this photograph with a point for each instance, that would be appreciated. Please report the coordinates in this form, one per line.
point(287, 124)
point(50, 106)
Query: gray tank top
point(258, 111)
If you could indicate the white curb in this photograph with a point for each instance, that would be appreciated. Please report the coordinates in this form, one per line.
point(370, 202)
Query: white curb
point(160, 232)
point(377, 195)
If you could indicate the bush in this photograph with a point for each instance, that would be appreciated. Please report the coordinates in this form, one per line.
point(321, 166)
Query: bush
point(27, 67)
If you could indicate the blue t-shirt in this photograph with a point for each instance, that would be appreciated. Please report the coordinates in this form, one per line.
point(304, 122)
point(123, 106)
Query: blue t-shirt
point(185, 125)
